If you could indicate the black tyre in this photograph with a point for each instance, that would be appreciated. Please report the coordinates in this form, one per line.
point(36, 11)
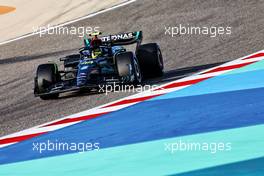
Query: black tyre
point(150, 60)
point(127, 66)
point(47, 75)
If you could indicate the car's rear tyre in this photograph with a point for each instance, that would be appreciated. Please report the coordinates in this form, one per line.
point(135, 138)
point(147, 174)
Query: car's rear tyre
point(150, 60)
point(127, 66)
point(47, 75)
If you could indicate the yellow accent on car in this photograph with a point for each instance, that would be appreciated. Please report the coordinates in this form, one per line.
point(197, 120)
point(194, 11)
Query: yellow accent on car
point(95, 33)
point(95, 54)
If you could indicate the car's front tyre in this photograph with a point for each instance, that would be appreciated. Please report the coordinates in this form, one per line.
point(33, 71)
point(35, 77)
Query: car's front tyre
point(46, 76)
point(128, 67)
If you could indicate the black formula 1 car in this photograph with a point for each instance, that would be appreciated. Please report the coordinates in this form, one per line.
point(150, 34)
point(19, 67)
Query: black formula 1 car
point(102, 61)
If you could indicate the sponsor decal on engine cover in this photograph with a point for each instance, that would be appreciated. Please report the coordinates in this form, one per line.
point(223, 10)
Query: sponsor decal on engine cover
point(116, 37)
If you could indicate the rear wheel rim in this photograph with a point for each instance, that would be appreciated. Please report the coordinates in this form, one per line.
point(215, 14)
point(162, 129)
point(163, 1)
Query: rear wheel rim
point(160, 59)
point(137, 72)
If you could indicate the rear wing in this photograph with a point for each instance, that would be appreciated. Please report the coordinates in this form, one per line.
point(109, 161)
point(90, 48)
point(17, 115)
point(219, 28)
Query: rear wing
point(127, 38)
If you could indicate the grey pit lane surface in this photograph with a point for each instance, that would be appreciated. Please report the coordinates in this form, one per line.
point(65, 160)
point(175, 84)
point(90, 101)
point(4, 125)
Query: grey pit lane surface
point(19, 109)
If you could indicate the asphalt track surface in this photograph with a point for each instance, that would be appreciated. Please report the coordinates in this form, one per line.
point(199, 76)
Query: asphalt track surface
point(183, 55)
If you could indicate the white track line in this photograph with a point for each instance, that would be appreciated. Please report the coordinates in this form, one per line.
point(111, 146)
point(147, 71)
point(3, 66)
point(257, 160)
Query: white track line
point(70, 22)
